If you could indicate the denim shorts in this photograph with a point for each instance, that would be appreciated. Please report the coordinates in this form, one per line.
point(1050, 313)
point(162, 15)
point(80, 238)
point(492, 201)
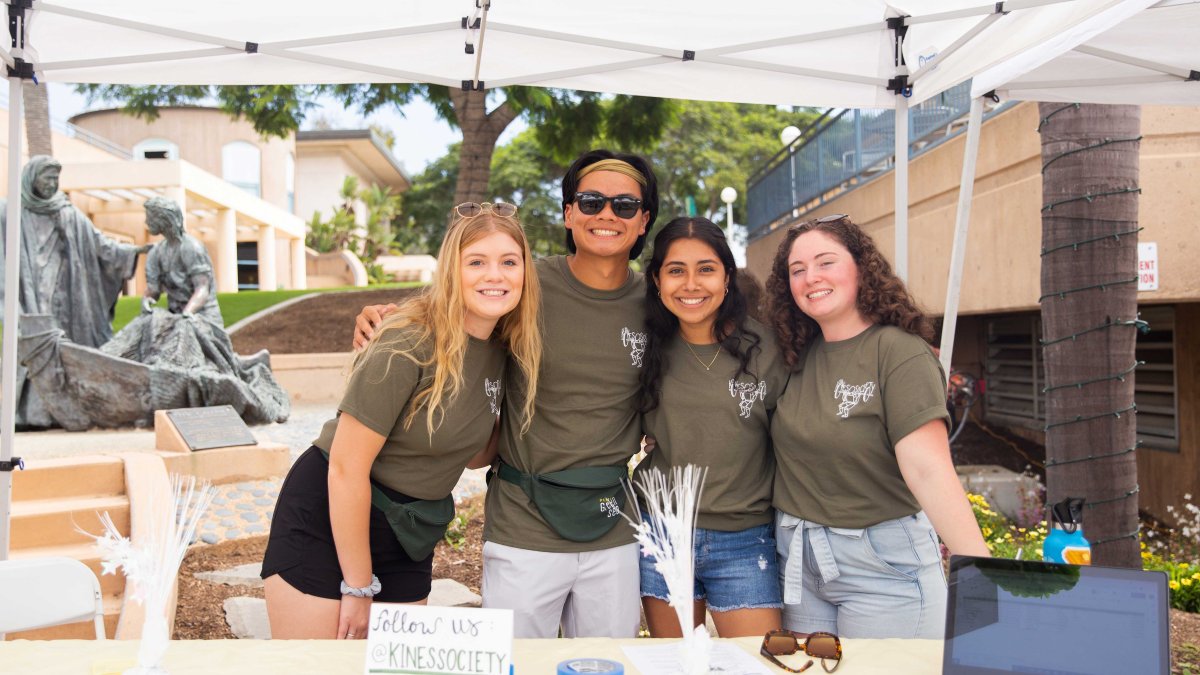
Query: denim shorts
point(734, 570)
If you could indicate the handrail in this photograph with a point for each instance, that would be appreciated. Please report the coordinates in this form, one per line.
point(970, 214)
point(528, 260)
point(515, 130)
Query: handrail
point(71, 131)
point(846, 150)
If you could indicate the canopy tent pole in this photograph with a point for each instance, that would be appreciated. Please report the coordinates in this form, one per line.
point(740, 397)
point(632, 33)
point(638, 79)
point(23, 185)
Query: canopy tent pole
point(12, 297)
point(958, 252)
point(901, 187)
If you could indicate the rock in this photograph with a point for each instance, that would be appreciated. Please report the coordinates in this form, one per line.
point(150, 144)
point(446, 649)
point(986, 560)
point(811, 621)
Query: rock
point(450, 593)
point(247, 618)
point(242, 575)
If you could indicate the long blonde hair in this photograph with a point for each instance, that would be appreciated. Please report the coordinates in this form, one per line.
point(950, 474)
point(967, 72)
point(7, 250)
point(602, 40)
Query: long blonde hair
point(438, 311)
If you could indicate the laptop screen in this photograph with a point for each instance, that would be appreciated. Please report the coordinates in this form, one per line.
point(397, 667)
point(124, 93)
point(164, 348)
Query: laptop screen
point(1016, 616)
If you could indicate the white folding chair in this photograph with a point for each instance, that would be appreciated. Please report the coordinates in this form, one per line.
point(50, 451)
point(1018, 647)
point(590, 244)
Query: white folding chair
point(40, 592)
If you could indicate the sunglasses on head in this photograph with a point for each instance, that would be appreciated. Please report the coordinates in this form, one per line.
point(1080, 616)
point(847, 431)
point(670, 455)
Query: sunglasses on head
point(821, 221)
point(623, 206)
point(824, 646)
point(471, 209)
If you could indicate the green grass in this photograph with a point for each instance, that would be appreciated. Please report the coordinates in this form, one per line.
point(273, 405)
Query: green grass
point(237, 306)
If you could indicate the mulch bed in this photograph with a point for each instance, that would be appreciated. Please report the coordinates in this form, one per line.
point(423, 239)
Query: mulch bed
point(201, 609)
point(320, 324)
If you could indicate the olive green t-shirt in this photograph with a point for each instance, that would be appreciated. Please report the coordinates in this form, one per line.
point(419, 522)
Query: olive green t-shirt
point(379, 394)
point(719, 418)
point(586, 407)
point(837, 424)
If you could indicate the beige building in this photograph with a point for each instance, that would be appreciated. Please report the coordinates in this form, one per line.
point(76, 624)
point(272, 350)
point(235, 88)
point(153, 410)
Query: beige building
point(236, 186)
point(323, 160)
point(998, 329)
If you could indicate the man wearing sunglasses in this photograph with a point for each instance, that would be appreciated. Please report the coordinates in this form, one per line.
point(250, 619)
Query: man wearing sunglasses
point(552, 563)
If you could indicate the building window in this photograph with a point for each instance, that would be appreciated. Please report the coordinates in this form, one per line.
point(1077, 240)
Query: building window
point(1016, 376)
point(289, 178)
point(156, 148)
point(247, 265)
point(241, 165)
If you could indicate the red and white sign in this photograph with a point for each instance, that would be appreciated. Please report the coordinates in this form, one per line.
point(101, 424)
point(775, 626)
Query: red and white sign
point(1147, 266)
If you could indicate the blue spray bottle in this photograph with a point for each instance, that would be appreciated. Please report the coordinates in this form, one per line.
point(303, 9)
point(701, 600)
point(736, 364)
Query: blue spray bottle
point(1065, 543)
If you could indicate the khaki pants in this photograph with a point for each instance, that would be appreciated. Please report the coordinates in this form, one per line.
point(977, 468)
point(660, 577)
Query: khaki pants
point(588, 594)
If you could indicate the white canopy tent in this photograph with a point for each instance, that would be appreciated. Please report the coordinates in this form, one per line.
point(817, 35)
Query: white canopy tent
point(846, 54)
point(1141, 52)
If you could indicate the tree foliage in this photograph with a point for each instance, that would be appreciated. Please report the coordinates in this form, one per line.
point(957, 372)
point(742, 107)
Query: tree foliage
point(713, 145)
point(567, 121)
point(378, 236)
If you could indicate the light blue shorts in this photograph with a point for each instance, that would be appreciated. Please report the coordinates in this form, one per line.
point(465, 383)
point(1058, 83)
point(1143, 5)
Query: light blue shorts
point(883, 581)
point(734, 570)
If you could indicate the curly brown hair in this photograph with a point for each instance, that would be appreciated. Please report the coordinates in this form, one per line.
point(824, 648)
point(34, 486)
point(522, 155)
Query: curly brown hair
point(882, 296)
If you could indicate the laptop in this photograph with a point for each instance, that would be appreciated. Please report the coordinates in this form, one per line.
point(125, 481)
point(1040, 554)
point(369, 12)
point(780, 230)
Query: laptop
point(1017, 616)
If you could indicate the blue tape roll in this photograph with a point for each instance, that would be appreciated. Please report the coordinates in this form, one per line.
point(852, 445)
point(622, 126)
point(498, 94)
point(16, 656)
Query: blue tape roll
point(585, 665)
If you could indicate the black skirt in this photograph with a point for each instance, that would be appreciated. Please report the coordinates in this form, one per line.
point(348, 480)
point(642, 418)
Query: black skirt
point(301, 549)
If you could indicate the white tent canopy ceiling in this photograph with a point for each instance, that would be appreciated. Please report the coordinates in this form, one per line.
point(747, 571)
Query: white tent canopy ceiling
point(851, 53)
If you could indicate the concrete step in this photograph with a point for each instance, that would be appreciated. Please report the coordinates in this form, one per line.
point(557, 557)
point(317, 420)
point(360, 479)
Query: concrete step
point(88, 554)
point(69, 477)
point(53, 522)
point(83, 630)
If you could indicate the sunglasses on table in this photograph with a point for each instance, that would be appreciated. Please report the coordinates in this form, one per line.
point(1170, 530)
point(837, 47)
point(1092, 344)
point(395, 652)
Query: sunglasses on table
point(623, 206)
point(471, 209)
point(824, 646)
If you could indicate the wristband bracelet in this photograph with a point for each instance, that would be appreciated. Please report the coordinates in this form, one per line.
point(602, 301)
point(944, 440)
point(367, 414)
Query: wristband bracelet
point(364, 592)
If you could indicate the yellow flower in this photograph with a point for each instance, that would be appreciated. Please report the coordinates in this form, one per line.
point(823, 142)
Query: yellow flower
point(1174, 585)
point(1183, 566)
point(1186, 582)
point(1196, 575)
point(987, 532)
point(1021, 530)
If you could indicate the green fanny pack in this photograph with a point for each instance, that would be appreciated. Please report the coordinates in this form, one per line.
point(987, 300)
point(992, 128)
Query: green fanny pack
point(419, 524)
point(581, 504)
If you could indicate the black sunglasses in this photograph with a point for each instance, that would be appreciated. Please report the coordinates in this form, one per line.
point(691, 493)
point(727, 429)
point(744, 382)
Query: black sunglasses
point(623, 206)
point(821, 645)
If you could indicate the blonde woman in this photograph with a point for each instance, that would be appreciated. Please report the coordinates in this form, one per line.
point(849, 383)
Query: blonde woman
point(361, 510)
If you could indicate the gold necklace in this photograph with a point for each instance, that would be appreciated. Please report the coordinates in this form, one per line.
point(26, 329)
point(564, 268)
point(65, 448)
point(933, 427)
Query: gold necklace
point(707, 366)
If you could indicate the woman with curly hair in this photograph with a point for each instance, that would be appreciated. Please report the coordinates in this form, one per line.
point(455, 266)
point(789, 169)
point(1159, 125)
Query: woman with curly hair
point(864, 483)
point(360, 512)
point(710, 380)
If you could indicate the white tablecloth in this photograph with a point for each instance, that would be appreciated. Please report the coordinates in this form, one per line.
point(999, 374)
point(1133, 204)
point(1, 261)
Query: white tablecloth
point(532, 657)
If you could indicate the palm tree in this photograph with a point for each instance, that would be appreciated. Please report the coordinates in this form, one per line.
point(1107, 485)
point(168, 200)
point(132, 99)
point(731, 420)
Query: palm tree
point(37, 118)
point(1089, 301)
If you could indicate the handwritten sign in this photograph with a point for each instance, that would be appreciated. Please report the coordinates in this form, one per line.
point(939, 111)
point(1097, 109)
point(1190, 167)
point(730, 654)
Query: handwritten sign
point(444, 640)
point(212, 427)
point(1147, 266)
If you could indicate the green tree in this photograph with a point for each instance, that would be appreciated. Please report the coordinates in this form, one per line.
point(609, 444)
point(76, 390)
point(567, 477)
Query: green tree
point(566, 121)
point(378, 235)
point(525, 176)
point(712, 145)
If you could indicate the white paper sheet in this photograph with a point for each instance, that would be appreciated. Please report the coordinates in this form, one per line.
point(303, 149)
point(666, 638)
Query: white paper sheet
point(663, 659)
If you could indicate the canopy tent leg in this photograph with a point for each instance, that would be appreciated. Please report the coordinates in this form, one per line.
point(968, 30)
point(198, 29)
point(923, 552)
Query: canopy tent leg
point(12, 297)
point(966, 190)
point(901, 187)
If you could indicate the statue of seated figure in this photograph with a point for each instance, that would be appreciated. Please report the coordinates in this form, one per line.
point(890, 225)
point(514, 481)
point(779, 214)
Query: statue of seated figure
point(187, 341)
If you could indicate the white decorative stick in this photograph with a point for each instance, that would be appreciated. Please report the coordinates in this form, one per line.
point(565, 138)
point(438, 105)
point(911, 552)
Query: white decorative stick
point(151, 567)
point(671, 502)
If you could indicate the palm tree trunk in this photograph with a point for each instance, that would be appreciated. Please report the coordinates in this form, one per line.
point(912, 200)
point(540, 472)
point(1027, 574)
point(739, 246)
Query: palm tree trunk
point(1089, 280)
point(37, 118)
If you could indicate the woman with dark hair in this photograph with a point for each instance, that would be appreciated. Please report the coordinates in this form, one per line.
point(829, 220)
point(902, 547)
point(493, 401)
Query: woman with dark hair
point(709, 383)
point(861, 444)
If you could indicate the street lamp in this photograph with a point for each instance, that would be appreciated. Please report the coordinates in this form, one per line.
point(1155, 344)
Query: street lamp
point(729, 196)
point(789, 135)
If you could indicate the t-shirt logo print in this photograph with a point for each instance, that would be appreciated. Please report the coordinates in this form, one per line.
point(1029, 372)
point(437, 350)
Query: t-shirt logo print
point(637, 345)
point(851, 395)
point(491, 389)
point(749, 393)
